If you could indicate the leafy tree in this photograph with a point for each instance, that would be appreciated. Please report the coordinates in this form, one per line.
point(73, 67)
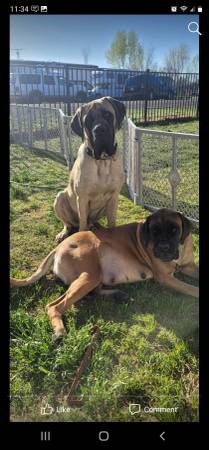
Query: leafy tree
point(126, 52)
point(135, 52)
point(116, 55)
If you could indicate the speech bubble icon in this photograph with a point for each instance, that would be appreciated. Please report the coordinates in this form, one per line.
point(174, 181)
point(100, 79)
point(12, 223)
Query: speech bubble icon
point(134, 408)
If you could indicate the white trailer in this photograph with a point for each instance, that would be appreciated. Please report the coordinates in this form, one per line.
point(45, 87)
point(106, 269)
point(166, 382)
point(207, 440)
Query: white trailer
point(39, 81)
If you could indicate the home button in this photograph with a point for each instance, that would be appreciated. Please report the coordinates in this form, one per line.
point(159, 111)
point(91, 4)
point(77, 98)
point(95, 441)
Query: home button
point(104, 436)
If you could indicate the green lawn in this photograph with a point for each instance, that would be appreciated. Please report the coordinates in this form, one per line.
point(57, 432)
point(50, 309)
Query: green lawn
point(190, 126)
point(163, 114)
point(147, 351)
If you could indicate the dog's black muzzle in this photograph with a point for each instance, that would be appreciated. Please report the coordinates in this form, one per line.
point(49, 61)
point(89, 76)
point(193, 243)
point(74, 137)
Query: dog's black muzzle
point(165, 251)
point(102, 141)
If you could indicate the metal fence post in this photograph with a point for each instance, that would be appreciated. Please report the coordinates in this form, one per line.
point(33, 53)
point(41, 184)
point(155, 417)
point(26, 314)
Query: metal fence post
point(125, 143)
point(30, 127)
point(20, 134)
point(130, 159)
point(63, 124)
point(66, 142)
point(126, 149)
point(173, 185)
point(69, 143)
point(45, 128)
point(12, 123)
point(67, 89)
point(146, 96)
point(61, 131)
point(138, 166)
point(174, 177)
point(197, 111)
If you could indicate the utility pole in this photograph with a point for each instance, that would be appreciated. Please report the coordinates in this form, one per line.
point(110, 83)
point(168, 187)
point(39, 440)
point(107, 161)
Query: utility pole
point(86, 52)
point(17, 50)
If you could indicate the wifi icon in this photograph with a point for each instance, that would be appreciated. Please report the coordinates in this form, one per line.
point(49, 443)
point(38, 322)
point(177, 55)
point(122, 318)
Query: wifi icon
point(183, 8)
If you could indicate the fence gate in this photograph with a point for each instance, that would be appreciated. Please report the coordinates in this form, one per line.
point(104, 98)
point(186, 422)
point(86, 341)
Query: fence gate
point(162, 169)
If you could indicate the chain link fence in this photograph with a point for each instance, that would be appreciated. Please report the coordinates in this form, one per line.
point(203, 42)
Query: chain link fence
point(41, 128)
point(162, 169)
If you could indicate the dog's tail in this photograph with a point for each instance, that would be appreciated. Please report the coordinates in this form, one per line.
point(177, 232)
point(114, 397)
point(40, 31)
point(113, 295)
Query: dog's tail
point(42, 270)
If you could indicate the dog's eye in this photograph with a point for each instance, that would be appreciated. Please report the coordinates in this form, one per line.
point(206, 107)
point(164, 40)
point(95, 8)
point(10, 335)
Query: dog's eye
point(156, 230)
point(172, 229)
point(107, 115)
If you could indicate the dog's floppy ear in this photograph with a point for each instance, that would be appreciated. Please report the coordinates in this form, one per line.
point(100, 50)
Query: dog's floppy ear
point(186, 227)
point(120, 110)
point(145, 231)
point(76, 122)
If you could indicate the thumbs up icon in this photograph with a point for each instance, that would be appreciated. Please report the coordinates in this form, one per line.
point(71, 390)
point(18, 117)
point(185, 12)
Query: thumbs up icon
point(47, 409)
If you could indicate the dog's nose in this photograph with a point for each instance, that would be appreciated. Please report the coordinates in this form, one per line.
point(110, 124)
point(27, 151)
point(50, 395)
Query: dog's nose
point(164, 246)
point(99, 129)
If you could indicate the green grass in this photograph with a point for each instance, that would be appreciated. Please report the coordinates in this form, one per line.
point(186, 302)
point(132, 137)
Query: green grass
point(147, 351)
point(157, 163)
point(161, 114)
point(190, 126)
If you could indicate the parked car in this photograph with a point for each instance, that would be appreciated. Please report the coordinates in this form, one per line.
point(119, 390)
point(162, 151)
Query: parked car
point(107, 82)
point(149, 86)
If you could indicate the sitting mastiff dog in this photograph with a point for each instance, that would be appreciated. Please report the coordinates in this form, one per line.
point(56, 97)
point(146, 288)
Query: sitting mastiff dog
point(97, 260)
point(97, 174)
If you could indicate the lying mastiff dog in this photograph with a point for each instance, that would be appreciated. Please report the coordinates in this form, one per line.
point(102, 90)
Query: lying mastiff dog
point(104, 258)
point(97, 174)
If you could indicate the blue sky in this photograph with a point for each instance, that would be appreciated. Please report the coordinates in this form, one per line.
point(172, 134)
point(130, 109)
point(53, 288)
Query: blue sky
point(63, 37)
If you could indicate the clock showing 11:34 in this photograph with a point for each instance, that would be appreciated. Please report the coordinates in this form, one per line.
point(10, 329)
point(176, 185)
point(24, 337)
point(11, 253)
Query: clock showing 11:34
point(23, 9)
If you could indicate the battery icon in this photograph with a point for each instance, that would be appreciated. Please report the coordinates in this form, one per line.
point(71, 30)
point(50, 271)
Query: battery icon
point(199, 9)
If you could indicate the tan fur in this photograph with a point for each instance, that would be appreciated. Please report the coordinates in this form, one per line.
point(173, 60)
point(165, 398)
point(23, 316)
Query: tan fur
point(94, 186)
point(87, 260)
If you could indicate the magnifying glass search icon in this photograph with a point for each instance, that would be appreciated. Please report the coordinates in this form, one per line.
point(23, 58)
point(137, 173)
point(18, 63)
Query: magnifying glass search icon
point(193, 27)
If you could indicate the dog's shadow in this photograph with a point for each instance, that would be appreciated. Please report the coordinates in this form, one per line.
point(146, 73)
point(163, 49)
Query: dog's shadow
point(171, 310)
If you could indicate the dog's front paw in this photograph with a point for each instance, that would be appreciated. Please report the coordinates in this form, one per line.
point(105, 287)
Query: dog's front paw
point(57, 337)
point(61, 236)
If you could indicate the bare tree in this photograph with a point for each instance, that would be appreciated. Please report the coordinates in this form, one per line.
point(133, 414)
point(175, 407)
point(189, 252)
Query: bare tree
point(149, 62)
point(177, 59)
point(193, 65)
